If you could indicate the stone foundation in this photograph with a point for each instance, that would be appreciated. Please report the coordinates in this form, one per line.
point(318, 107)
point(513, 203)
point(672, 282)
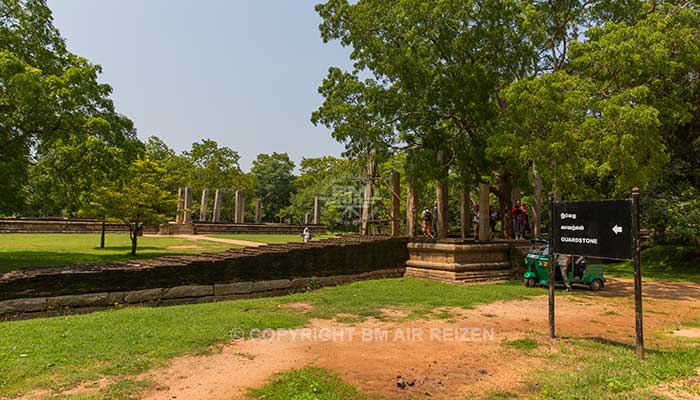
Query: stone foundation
point(461, 261)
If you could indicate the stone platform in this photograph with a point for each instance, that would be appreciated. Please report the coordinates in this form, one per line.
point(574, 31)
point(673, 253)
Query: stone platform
point(463, 260)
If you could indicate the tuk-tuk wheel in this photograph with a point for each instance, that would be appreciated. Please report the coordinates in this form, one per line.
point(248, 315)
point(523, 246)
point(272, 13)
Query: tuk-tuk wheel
point(530, 282)
point(596, 285)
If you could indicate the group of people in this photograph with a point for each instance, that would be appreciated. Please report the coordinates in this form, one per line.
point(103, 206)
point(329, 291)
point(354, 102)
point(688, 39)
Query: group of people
point(493, 219)
point(521, 222)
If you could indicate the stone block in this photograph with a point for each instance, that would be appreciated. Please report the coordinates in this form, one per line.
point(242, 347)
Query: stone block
point(81, 300)
point(180, 292)
point(225, 289)
point(141, 296)
point(301, 283)
point(115, 297)
point(277, 284)
point(23, 305)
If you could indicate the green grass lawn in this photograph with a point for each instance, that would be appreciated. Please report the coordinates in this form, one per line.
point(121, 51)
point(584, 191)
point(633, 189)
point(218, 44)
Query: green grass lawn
point(43, 250)
point(307, 383)
point(600, 369)
point(269, 239)
point(60, 352)
point(665, 263)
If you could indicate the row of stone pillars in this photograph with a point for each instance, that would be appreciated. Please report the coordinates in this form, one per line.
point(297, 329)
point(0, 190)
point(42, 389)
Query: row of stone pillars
point(184, 207)
point(412, 223)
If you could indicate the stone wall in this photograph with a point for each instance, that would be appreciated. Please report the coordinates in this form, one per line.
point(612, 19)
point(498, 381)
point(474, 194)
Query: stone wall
point(9, 225)
point(237, 273)
point(204, 228)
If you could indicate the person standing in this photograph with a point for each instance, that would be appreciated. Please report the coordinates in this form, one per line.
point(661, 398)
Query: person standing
point(517, 214)
point(493, 216)
point(563, 261)
point(427, 222)
point(475, 221)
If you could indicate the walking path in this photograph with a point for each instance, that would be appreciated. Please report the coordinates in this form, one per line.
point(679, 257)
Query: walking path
point(195, 238)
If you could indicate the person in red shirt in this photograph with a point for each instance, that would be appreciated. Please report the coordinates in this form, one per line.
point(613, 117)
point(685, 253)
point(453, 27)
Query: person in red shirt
point(518, 219)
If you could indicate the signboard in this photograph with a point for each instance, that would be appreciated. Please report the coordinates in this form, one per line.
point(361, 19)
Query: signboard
point(600, 228)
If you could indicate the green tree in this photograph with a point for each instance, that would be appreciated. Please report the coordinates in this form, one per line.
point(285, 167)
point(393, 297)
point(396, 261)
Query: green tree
point(50, 103)
point(205, 166)
point(334, 181)
point(274, 182)
point(137, 199)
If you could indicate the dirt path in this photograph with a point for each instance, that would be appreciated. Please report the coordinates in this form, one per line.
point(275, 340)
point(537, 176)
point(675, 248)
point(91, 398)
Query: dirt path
point(195, 238)
point(435, 358)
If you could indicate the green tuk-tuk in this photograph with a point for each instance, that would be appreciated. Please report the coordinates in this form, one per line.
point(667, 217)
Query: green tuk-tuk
point(537, 263)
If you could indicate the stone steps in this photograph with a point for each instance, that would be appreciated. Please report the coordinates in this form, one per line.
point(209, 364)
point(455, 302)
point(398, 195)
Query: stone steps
point(459, 277)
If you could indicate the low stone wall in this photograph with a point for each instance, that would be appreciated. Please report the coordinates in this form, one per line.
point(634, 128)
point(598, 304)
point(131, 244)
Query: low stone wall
point(203, 228)
point(234, 274)
point(61, 226)
point(273, 229)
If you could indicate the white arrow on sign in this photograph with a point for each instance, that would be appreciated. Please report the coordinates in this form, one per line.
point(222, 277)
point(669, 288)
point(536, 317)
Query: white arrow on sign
point(617, 229)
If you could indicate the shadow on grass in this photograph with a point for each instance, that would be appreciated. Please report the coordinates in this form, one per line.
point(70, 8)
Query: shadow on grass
point(651, 289)
point(126, 248)
point(18, 260)
point(621, 345)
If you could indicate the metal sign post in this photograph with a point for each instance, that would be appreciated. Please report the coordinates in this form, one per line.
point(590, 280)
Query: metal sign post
point(639, 322)
point(552, 333)
point(604, 229)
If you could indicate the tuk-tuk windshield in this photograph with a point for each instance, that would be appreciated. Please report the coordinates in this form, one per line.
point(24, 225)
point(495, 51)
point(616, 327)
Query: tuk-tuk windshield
point(539, 248)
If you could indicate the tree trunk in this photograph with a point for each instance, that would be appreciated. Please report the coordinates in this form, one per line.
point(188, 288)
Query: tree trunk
point(465, 212)
point(504, 193)
point(411, 204)
point(555, 185)
point(134, 239)
point(537, 202)
point(102, 235)
point(441, 195)
point(395, 203)
point(369, 194)
point(484, 192)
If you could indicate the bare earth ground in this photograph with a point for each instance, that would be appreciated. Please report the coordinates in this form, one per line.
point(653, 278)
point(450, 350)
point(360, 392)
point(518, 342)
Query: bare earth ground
point(453, 363)
point(437, 367)
point(195, 238)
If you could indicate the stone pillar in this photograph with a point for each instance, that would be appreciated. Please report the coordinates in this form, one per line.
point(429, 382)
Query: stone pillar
point(188, 206)
point(258, 211)
point(484, 211)
point(441, 195)
point(203, 206)
point(465, 213)
point(180, 205)
point(366, 215)
point(317, 211)
point(216, 217)
point(238, 208)
point(411, 209)
point(307, 219)
point(395, 203)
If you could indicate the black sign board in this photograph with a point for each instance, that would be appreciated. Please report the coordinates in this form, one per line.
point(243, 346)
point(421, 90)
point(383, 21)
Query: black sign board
point(593, 228)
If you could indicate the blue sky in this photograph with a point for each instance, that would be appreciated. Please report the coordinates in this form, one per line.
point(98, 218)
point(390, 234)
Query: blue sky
point(243, 73)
